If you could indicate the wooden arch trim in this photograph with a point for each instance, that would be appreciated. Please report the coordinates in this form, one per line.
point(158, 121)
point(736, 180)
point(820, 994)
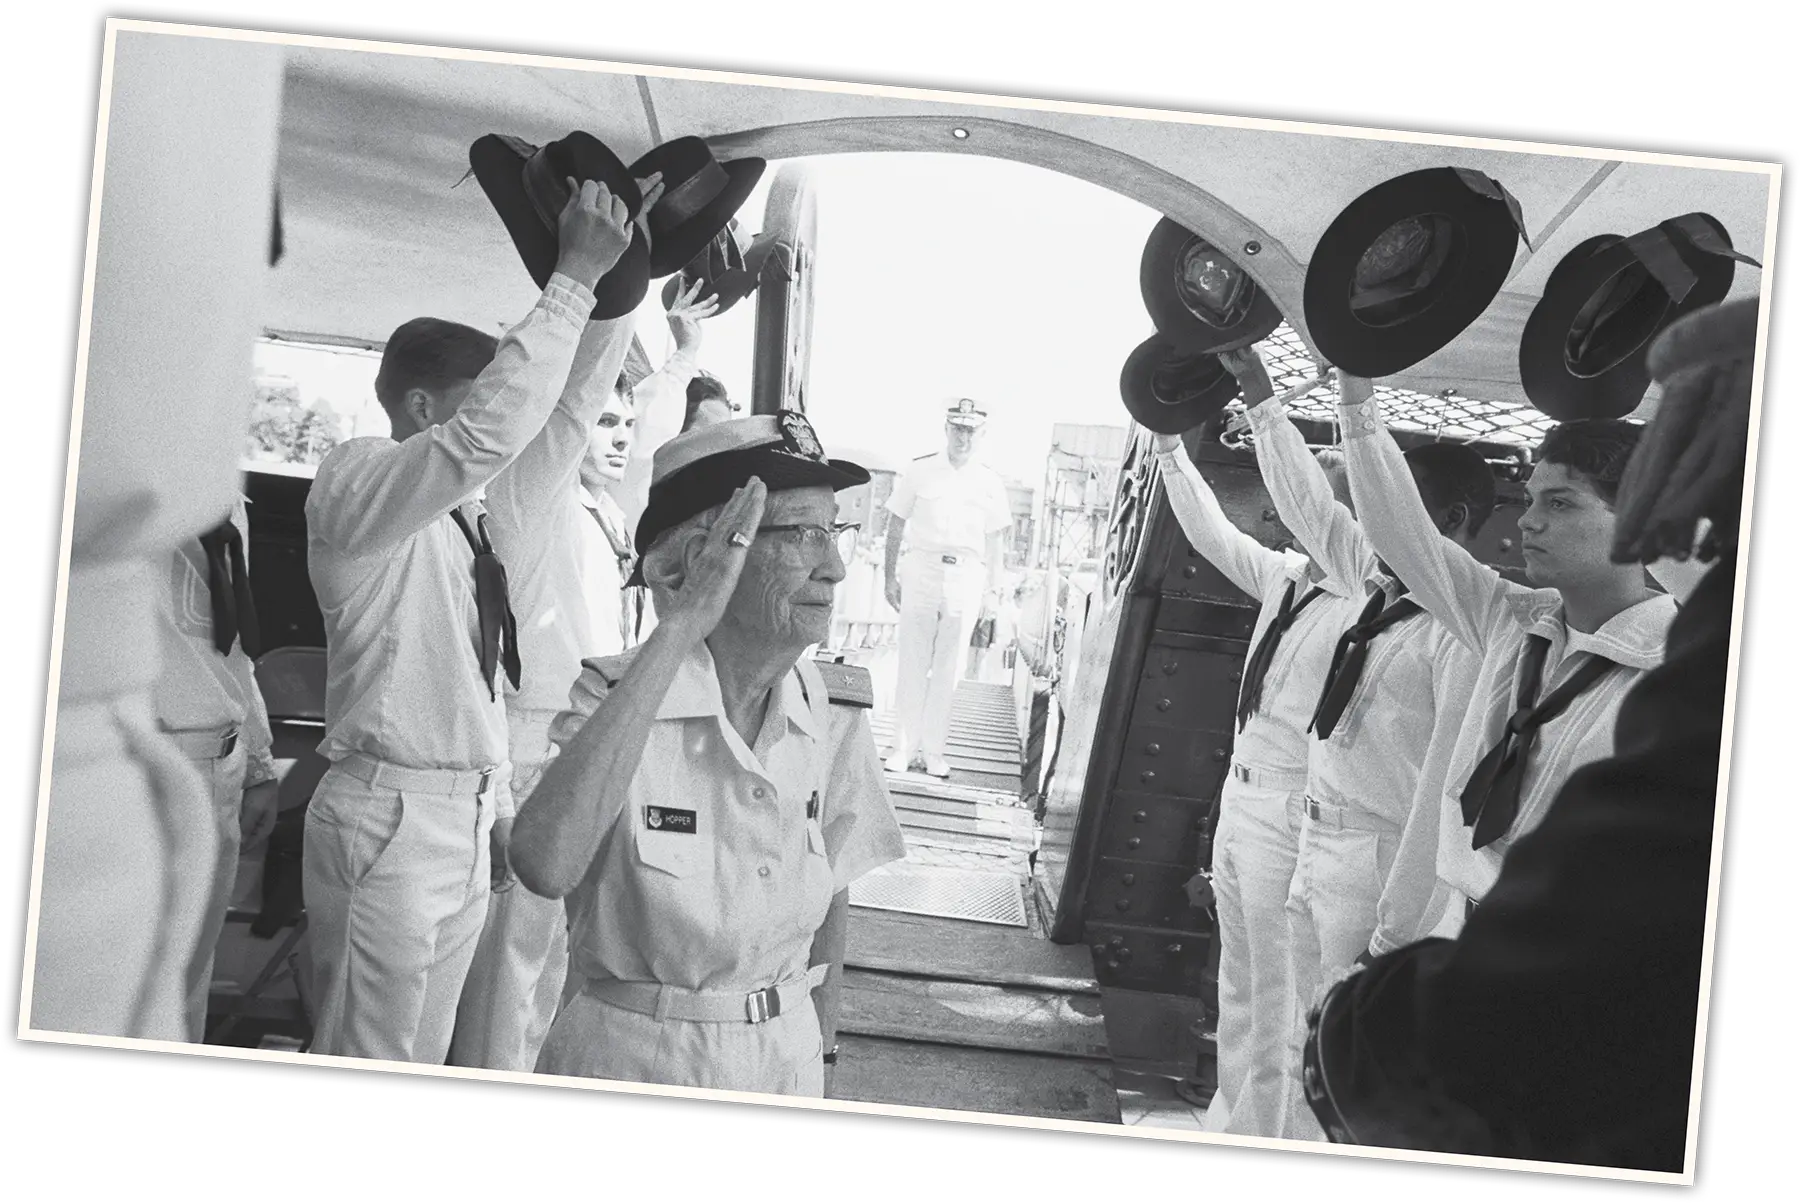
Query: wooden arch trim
point(1273, 267)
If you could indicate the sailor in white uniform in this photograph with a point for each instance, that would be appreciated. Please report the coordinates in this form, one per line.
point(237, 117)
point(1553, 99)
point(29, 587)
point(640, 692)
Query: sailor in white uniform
point(419, 635)
point(950, 512)
point(559, 567)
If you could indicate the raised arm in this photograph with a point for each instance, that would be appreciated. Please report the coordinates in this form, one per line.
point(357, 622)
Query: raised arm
point(550, 465)
point(1453, 586)
point(1301, 490)
point(560, 826)
point(374, 495)
point(661, 408)
point(1244, 562)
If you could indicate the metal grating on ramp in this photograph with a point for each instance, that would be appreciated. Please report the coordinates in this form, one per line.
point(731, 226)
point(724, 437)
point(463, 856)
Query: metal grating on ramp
point(984, 897)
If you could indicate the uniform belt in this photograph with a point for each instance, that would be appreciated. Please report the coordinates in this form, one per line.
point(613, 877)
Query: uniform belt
point(707, 1006)
point(1273, 779)
point(427, 781)
point(1334, 817)
point(214, 744)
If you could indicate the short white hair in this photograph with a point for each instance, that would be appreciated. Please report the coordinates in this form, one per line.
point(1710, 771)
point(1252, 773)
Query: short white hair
point(662, 562)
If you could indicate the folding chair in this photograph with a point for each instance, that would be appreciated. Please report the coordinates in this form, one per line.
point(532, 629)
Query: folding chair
point(292, 681)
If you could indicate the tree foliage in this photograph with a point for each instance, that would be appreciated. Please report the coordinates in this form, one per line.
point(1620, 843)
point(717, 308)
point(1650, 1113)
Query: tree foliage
point(286, 431)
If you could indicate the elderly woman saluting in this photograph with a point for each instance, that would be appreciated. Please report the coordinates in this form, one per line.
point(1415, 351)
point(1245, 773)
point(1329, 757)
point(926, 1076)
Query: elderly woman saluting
point(708, 807)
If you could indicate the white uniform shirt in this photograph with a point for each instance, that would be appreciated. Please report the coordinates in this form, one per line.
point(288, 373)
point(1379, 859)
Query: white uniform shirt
point(1274, 738)
point(198, 689)
point(394, 575)
point(1492, 616)
point(950, 510)
point(1375, 756)
point(734, 904)
point(605, 573)
point(544, 533)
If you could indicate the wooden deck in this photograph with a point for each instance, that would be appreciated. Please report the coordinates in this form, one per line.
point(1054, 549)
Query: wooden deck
point(963, 1015)
point(951, 1014)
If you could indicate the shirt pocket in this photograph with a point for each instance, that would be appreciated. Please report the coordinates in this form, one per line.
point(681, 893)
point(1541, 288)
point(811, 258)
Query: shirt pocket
point(673, 852)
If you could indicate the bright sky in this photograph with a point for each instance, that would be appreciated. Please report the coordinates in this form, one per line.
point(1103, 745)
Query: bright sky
point(938, 276)
point(942, 276)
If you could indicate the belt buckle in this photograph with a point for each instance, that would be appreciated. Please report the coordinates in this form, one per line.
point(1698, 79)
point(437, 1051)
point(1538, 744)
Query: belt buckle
point(948, 559)
point(1241, 773)
point(763, 1005)
point(1312, 808)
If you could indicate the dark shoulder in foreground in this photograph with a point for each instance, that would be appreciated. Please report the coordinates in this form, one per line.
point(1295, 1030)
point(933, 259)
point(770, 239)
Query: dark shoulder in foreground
point(847, 684)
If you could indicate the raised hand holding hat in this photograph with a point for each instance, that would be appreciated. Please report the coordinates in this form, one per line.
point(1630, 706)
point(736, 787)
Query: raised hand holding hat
point(593, 231)
point(529, 186)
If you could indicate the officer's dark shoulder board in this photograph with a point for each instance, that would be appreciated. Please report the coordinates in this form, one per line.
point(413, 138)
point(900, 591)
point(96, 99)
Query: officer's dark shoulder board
point(847, 684)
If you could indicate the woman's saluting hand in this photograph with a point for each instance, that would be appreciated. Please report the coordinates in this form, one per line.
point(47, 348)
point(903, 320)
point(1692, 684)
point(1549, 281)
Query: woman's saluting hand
point(712, 575)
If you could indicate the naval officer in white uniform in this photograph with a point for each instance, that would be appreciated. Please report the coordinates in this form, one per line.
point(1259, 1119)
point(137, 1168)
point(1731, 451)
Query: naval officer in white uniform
point(950, 512)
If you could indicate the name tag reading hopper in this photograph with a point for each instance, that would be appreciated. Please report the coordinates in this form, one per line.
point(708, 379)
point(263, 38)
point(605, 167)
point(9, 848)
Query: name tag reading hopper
point(667, 818)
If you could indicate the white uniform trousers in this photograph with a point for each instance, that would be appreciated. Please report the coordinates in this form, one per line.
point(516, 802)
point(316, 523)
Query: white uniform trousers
point(516, 980)
point(395, 873)
point(939, 605)
point(1345, 854)
point(224, 777)
point(1254, 852)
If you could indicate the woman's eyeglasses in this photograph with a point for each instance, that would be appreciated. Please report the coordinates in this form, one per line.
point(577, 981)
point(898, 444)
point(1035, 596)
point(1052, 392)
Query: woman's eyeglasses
point(814, 539)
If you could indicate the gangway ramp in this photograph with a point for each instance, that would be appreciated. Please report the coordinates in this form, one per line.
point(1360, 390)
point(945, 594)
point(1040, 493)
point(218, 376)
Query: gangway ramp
point(953, 997)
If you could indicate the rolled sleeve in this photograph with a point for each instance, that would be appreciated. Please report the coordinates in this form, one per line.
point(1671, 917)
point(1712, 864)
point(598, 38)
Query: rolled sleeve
point(861, 830)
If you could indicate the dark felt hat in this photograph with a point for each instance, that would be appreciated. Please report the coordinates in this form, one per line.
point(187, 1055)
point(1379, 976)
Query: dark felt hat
point(525, 184)
point(726, 269)
point(1198, 297)
point(1583, 351)
point(700, 195)
point(1408, 266)
point(1169, 391)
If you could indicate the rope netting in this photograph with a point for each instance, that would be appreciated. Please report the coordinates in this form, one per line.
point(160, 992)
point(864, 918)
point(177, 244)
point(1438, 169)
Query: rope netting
point(1451, 416)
